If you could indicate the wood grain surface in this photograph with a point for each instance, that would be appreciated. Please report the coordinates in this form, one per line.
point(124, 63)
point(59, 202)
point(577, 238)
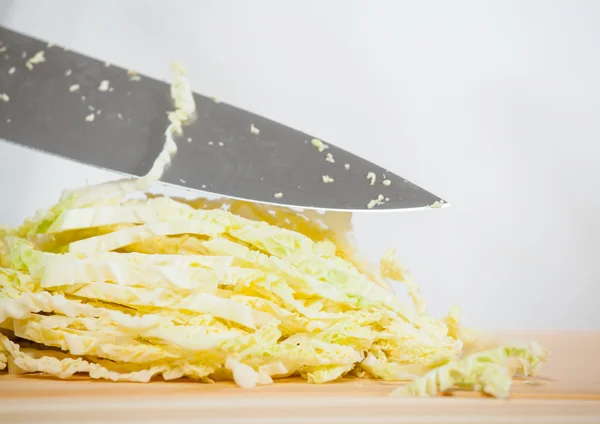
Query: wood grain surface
point(568, 390)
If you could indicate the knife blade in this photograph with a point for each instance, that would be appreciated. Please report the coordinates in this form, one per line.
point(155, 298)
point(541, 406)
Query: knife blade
point(86, 110)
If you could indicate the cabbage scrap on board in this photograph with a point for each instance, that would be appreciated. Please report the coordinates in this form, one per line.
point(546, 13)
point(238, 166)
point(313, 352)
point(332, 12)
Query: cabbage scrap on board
point(126, 286)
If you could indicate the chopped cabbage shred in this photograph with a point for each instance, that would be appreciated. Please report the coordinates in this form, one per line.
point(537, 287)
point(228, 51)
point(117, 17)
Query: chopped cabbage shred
point(128, 288)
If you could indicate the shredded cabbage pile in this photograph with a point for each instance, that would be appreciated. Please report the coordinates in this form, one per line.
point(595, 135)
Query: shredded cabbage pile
point(125, 287)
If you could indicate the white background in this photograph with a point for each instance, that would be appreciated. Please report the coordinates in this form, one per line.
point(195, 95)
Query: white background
point(494, 105)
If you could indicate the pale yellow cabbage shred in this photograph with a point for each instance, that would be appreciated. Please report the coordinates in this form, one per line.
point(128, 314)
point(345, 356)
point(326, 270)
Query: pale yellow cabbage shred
point(127, 290)
point(490, 372)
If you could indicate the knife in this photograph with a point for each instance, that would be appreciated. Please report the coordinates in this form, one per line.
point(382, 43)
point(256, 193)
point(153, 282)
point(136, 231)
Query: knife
point(83, 109)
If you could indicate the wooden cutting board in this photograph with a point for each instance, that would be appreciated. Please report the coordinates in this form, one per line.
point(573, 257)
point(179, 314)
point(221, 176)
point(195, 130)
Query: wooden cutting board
point(568, 390)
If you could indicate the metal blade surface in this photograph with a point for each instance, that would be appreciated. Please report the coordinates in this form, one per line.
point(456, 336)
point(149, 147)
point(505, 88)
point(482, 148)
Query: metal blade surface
point(50, 108)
